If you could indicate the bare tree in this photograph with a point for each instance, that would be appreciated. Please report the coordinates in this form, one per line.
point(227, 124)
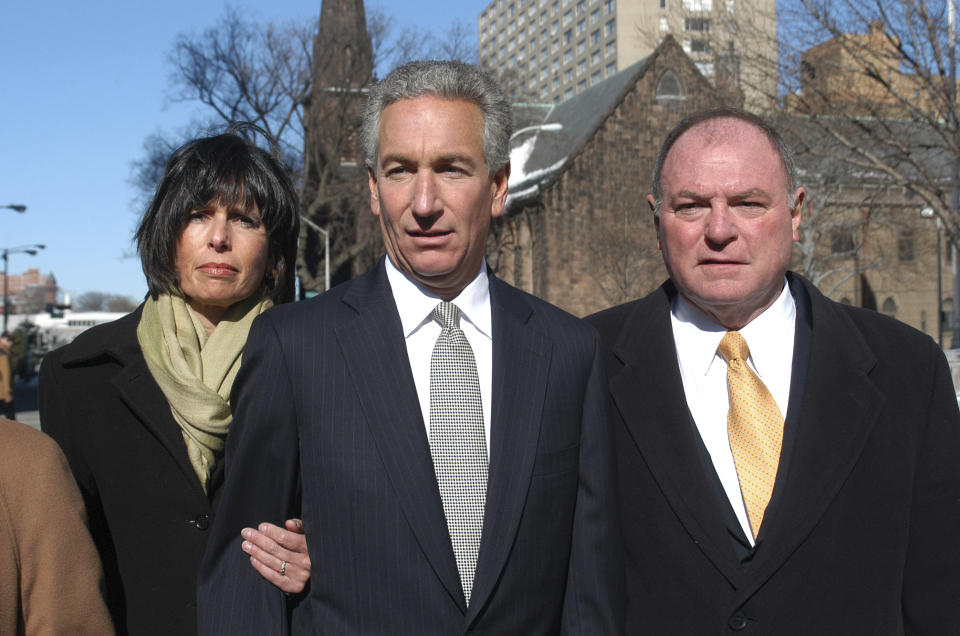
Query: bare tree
point(242, 69)
point(102, 301)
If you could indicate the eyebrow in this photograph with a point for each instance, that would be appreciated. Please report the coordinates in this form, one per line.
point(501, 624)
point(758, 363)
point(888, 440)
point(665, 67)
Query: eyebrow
point(745, 194)
point(441, 160)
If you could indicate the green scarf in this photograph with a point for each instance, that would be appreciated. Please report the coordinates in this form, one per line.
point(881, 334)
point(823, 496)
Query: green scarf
point(196, 371)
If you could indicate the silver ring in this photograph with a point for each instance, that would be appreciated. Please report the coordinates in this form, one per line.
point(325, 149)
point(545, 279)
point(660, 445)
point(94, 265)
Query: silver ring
point(283, 568)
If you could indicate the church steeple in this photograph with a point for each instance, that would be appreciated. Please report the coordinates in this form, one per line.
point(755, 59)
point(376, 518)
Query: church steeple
point(342, 52)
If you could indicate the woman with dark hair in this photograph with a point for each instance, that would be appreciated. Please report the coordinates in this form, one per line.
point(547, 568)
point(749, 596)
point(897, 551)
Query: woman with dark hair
point(141, 406)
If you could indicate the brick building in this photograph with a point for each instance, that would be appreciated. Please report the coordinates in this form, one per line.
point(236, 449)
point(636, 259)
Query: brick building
point(558, 48)
point(577, 230)
point(30, 291)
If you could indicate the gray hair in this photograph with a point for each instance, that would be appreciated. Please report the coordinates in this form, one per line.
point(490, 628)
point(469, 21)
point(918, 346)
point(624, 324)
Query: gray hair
point(449, 80)
point(725, 112)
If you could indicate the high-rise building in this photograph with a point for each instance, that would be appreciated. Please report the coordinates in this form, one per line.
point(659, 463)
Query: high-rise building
point(553, 49)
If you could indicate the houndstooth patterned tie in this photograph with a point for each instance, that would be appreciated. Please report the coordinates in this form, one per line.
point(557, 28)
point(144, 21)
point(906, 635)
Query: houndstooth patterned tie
point(457, 441)
point(755, 429)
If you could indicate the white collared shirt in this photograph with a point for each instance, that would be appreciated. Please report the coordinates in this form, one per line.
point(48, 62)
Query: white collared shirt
point(770, 339)
point(421, 332)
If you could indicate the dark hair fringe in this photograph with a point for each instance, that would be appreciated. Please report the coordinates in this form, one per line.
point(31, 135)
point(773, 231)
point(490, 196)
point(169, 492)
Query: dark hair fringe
point(231, 170)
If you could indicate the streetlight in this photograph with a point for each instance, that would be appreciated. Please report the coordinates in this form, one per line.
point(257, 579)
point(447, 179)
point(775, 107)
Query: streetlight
point(928, 213)
point(16, 207)
point(7, 251)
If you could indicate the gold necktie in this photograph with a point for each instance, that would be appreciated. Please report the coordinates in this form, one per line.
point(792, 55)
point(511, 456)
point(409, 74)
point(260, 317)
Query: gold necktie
point(754, 426)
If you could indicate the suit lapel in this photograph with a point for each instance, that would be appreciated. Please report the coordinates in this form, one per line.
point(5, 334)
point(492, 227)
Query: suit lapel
point(374, 348)
point(521, 361)
point(648, 393)
point(833, 429)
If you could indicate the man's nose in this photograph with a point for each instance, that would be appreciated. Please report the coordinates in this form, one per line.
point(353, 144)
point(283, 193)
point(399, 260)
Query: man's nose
point(425, 196)
point(721, 225)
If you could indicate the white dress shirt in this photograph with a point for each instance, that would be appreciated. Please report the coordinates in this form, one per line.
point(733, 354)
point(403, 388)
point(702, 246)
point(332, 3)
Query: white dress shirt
point(704, 372)
point(421, 332)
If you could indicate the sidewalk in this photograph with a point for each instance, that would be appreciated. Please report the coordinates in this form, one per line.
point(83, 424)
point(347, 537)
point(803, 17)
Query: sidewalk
point(25, 400)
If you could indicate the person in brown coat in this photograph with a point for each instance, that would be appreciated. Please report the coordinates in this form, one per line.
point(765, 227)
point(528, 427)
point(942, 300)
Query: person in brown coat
point(6, 376)
point(50, 576)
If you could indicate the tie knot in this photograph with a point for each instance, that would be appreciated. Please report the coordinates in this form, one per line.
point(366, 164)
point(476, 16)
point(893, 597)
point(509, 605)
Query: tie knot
point(733, 347)
point(447, 314)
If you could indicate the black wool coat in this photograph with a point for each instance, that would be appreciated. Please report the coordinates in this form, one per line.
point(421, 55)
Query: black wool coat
point(862, 535)
point(148, 513)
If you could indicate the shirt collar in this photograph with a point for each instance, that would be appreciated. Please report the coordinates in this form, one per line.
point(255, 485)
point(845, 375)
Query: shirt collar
point(697, 337)
point(415, 304)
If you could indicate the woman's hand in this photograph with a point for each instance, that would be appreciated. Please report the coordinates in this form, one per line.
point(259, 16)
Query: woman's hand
point(279, 555)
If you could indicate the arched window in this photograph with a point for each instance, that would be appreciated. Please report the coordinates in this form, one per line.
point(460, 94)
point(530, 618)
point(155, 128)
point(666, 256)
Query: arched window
point(668, 88)
point(890, 307)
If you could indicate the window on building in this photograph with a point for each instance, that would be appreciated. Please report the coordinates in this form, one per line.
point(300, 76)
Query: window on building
point(555, 46)
point(581, 85)
point(556, 83)
point(611, 5)
point(699, 46)
point(890, 307)
point(729, 6)
point(697, 24)
point(581, 7)
point(669, 87)
point(581, 47)
point(554, 8)
point(568, 76)
point(611, 48)
point(567, 18)
point(841, 242)
point(595, 57)
point(596, 77)
point(664, 24)
point(544, 72)
point(906, 246)
point(581, 67)
point(698, 5)
point(595, 16)
point(595, 37)
point(663, 4)
point(554, 27)
point(556, 65)
point(510, 10)
point(568, 56)
point(611, 26)
point(611, 68)
point(581, 27)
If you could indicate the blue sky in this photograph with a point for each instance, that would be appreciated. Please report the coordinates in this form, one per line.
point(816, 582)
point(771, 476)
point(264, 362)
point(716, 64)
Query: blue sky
point(83, 84)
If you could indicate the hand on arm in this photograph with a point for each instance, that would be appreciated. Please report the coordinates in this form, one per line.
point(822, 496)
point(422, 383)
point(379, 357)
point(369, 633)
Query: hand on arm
point(272, 548)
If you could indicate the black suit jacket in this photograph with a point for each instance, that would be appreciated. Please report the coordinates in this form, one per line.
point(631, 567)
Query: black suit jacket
point(148, 514)
point(863, 533)
point(327, 424)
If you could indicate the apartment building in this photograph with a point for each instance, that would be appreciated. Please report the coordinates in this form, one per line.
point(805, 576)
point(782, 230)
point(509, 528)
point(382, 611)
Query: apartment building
point(554, 49)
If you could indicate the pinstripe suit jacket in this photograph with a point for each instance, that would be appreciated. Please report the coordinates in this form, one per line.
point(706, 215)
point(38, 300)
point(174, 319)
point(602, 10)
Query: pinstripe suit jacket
point(327, 425)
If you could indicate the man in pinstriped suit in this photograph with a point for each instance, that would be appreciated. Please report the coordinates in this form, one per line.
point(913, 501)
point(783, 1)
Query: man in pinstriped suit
point(334, 411)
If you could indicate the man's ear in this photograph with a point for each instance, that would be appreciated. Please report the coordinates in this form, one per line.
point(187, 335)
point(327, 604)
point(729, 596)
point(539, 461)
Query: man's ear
point(796, 212)
point(500, 181)
point(656, 217)
point(374, 192)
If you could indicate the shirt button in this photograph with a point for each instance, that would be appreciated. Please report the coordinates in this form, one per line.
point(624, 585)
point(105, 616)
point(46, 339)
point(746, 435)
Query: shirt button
point(202, 522)
point(737, 621)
